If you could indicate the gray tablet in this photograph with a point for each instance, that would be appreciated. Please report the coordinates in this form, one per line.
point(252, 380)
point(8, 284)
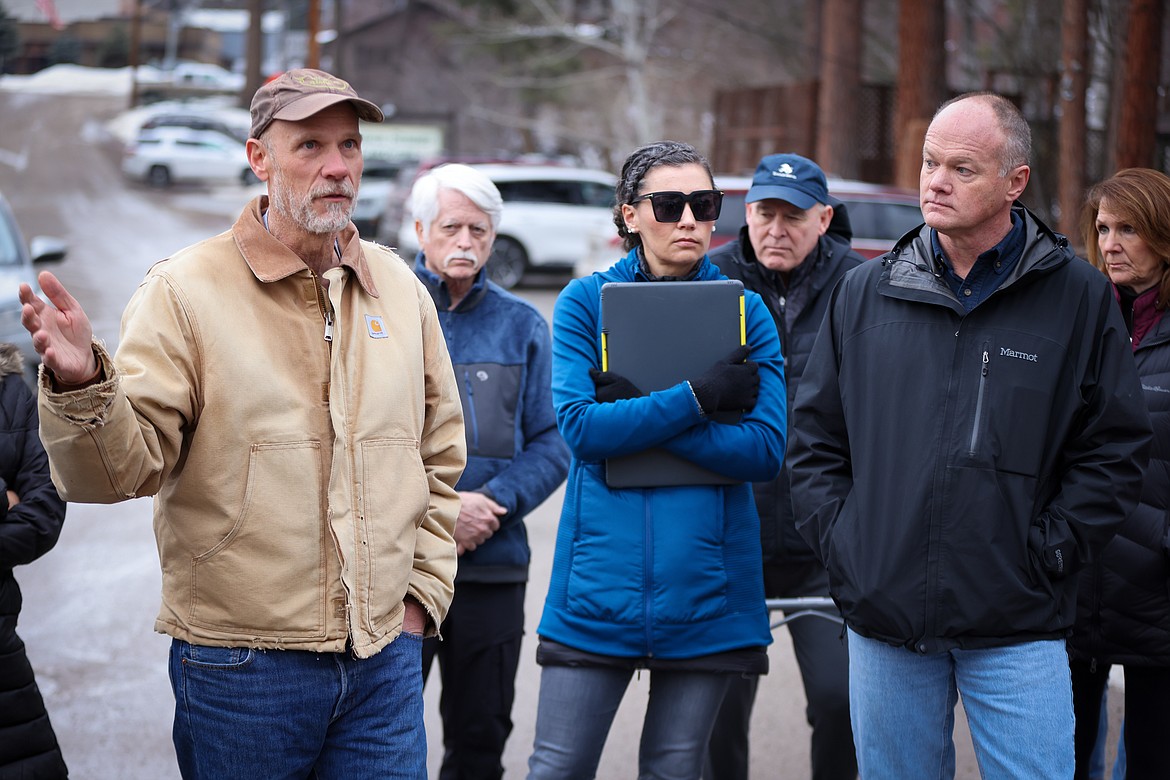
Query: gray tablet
point(656, 334)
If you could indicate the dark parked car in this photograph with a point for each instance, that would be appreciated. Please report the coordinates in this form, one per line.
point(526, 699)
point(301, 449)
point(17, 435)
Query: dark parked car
point(17, 265)
point(879, 214)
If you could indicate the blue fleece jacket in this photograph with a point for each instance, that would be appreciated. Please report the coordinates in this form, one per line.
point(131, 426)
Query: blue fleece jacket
point(667, 572)
point(499, 346)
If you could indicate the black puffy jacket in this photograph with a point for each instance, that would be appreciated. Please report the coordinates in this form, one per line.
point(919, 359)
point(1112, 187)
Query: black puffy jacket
point(1123, 604)
point(951, 469)
point(797, 309)
point(28, 747)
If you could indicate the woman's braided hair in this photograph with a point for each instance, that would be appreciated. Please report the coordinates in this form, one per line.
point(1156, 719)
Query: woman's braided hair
point(635, 168)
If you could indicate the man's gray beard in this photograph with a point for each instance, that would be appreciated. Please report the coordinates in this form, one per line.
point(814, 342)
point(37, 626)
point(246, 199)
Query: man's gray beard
point(333, 221)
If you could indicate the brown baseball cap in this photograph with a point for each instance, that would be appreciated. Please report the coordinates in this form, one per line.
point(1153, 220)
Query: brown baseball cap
point(298, 94)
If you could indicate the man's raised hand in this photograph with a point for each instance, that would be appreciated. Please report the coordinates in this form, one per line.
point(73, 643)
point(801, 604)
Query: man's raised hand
point(61, 331)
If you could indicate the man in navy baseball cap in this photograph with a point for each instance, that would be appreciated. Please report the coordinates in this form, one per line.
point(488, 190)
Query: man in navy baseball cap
point(787, 254)
point(790, 178)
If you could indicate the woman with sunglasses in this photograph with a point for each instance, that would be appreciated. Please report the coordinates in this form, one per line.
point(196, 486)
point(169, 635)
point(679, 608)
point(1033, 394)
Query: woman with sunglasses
point(660, 578)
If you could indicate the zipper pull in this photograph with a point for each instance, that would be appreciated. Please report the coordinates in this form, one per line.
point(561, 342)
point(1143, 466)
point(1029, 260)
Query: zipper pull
point(329, 326)
point(985, 360)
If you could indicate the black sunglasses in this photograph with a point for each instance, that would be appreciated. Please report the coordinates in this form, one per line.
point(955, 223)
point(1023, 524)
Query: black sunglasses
point(668, 206)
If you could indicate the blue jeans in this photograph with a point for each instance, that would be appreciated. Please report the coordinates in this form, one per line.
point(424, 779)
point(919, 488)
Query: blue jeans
point(291, 714)
point(577, 706)
point(1018, 701)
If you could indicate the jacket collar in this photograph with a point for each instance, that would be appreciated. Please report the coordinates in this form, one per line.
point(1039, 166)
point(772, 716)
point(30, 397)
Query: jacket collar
point(438, 288)
point(629, 269)
point(272, 261)
point(1143, 317)
point(911, 263)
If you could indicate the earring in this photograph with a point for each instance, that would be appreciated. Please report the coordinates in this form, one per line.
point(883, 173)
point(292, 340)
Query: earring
point(631, 230)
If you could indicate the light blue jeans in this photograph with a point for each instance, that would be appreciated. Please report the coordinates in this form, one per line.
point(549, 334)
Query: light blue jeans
point(577, 705)
point(1018, 701)
point(285, 714)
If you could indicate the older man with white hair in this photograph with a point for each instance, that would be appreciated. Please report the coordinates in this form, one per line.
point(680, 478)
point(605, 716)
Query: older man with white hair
point(500, 347)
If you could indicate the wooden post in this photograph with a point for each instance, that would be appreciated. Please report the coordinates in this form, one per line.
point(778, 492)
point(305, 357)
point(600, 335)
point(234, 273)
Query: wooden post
point(135, 45)
point(313, 26)
point(1071, 99)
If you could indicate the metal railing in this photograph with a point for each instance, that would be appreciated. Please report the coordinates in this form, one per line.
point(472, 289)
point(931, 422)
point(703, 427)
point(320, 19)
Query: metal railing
point(802, 606)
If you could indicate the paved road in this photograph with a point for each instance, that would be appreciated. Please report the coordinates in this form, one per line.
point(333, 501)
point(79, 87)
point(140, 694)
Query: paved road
point(90, 604)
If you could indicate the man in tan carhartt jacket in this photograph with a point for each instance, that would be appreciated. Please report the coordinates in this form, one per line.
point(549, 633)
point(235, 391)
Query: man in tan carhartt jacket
point(284, 391)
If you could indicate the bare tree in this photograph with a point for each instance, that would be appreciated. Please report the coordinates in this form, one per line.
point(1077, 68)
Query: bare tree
point(619, 46)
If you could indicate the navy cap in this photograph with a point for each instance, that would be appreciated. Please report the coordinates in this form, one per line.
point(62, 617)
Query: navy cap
point(791, 178)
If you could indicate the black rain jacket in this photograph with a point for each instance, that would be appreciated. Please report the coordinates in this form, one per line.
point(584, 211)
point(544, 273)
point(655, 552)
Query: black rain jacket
point(951, 469)
point(818, 274)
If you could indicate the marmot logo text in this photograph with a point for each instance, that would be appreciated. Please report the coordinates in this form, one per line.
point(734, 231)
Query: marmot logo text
point(1005, 352)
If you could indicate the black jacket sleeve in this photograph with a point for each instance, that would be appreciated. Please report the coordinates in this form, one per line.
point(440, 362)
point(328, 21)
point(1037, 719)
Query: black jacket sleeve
point(31, 528)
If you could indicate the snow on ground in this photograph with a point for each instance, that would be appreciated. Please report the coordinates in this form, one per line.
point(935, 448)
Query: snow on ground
point(79, 80)
point(71, 79)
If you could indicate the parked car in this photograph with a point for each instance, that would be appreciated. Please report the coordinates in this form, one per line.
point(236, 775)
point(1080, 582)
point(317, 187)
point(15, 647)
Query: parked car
point(878, 214)
point(162, 156)
point(187, 79)
point(379, 179)
point(18, 262)
point(550, 211)
point(198, 121)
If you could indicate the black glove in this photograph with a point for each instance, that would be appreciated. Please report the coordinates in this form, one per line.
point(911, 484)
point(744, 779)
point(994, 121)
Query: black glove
point(731, 385)
point(612, 387)
point(1054, 547)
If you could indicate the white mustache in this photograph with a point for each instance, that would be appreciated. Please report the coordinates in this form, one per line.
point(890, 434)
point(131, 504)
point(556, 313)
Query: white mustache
point(461, 255)
point(345, 189)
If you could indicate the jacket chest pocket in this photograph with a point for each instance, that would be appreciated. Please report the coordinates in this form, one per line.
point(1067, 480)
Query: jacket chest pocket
point(490, 394)
point(1011, 410)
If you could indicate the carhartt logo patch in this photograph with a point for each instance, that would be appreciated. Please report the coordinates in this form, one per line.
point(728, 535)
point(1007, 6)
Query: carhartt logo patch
point(376, 327)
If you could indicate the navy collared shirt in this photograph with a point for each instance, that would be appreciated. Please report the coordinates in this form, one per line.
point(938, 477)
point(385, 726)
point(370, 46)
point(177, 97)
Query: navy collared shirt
point(990, 269)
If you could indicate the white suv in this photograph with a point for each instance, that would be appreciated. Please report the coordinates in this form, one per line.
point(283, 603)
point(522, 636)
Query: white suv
point(550, 211)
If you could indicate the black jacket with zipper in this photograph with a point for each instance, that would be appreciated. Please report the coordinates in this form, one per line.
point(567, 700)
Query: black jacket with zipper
point(797, 318)
point(951, 469)
point(28, 746)
point(1123, 612)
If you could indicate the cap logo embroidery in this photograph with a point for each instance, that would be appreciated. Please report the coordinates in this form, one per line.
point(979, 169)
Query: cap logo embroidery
point(376, 327)
point(784, 171)
point(316, 81)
